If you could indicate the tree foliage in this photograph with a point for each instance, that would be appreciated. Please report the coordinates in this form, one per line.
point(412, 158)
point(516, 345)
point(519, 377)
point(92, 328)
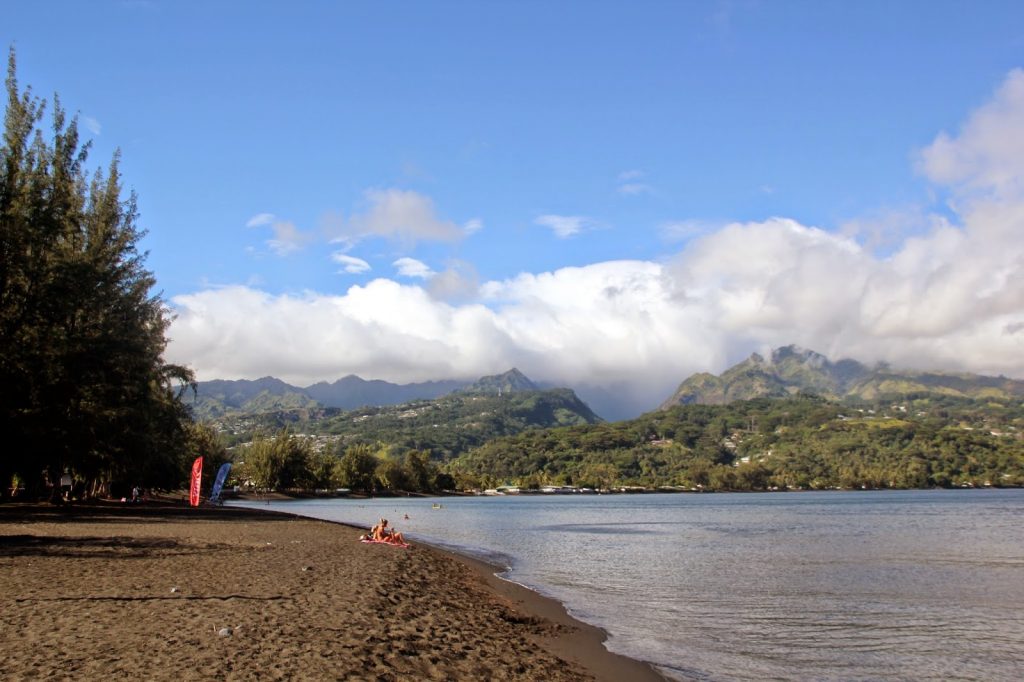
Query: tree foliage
point(357, 468)
point(279, 462)
point(287, 461)
point(85, 389)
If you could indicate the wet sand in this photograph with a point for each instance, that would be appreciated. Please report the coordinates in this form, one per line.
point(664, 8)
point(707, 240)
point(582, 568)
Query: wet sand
point(165, 592)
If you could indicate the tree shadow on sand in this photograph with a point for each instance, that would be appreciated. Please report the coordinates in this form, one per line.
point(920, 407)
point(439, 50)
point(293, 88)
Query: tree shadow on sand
point(130, 513)
point(85, 547)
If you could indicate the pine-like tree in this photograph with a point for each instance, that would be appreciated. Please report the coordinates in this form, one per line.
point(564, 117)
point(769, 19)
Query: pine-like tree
point(85, 388)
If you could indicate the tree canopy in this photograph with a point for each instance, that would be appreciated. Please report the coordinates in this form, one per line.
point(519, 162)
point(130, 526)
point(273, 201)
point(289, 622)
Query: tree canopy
point(85, 389)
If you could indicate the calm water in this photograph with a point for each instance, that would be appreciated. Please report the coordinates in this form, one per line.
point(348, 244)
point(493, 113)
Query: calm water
point(916, 585)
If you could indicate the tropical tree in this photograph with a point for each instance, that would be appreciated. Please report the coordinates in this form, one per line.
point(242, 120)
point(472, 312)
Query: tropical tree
point(320, 469)
point(392, 475)
point(419, 471)
point(85, 388)
point(278, 462)
point(356, 469)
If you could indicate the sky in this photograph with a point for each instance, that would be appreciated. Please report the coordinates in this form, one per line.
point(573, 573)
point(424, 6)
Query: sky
point(606, 195)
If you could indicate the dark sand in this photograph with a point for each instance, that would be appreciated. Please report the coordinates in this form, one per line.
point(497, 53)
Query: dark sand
point(147, 592)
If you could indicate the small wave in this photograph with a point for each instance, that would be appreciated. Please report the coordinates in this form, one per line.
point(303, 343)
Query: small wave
point(599, 529)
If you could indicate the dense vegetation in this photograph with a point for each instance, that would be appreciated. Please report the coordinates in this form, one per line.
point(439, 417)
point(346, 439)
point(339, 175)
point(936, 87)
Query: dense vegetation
point(805, 442)
point(796, 443)
point(445, 427)
point(290, 461)
point(85, 390)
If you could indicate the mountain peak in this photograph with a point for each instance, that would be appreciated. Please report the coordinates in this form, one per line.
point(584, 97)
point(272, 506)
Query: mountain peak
point(508, 382)
point(792, 370)
point(798, 354)
point(787, 371)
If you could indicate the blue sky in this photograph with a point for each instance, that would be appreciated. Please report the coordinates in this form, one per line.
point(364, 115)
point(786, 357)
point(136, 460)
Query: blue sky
point(413, 191)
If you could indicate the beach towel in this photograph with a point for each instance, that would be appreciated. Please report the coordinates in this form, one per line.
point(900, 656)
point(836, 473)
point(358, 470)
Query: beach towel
point(368, 541)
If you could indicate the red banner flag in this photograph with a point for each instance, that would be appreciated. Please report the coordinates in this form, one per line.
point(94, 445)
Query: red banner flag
point(197, 479)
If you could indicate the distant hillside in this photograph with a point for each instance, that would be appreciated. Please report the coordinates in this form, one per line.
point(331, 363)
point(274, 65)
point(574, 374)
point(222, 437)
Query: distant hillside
point(220, 397)
point(351, 392)
point(223, 397)
point(452, 424)
point(795, 443)
point(445, 427)
point(792, 370)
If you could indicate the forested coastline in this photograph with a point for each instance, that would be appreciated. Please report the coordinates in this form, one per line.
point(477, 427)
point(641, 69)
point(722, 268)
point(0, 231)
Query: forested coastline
point(799, 443)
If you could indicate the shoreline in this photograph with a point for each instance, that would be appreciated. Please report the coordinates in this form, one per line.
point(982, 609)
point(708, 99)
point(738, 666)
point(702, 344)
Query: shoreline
point(89, 588)
point(579, 642)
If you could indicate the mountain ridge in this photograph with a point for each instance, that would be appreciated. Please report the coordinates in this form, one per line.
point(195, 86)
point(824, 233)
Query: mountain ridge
point(791, 370)
point(220, 397)
point(223, 397)
point(497, 405)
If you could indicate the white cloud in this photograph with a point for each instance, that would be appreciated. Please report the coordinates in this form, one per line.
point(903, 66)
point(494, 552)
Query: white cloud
point(685, 230)
point(629, 183)
point(988, 155)
point(563, 226)
point(473, 226)
point(641, 327)
point(92, 125)
point(403, 216)
point(635, 188)
point(948, 293)
point(261, 219)
point(381, 330)
point(350, 264)
point(611, 321)
point(287, 238)
point(410, 267)
point(458, 282)
point(888, 228)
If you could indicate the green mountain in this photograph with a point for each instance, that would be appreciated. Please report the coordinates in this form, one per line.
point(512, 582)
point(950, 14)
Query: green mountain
point(214, 399)
point(453, 424)
point(791, 443)
point(792, 370)
point(447, 426)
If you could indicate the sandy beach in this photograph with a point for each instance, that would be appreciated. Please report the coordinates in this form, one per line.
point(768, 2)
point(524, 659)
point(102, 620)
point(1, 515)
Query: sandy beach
point(165, 592)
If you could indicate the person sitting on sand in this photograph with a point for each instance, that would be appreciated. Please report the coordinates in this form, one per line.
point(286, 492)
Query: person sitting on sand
point(381, 533)
point(377, 533)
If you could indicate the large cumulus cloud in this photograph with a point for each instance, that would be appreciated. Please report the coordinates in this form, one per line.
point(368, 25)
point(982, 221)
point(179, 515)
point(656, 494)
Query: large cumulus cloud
point(950, 296)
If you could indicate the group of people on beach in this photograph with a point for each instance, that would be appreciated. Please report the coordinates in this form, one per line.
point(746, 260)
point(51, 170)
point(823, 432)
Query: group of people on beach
point(381, 533)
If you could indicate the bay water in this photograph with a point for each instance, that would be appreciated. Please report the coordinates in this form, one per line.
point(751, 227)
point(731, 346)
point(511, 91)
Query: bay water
point(880, 585)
